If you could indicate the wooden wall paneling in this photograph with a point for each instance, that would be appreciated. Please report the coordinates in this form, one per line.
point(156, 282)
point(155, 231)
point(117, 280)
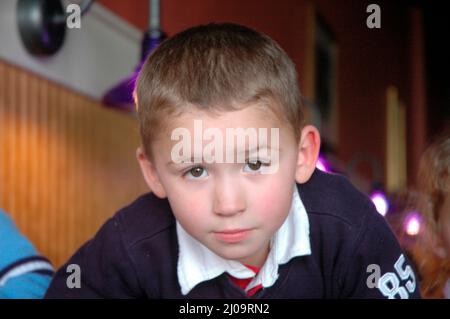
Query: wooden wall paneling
point(66, 162)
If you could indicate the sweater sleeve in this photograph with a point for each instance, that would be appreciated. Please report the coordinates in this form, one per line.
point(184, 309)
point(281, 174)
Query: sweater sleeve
point(376, 266)
point(101, 268)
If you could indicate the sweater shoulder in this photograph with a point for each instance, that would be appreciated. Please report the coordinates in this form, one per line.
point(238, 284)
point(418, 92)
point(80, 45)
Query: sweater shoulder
point(144, 218)
point(332, 196)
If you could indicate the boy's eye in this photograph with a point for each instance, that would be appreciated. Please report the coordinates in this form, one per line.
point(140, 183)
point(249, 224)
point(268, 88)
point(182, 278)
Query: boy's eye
point(195, 172)
point(255, 166)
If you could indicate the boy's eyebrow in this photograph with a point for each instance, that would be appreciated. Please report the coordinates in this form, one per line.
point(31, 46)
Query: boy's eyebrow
point(191, 159)
point(257, 148)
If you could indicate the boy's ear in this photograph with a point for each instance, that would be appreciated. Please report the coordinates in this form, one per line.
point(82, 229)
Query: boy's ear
point(150, 175)
point(308, 152)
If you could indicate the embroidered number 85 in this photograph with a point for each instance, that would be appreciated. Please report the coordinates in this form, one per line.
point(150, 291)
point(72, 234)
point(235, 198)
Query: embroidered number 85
point(389, 283)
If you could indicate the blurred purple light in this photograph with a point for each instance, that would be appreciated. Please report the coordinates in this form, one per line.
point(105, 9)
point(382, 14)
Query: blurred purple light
point(322, 164)
point(412, 224)
point(380, 201)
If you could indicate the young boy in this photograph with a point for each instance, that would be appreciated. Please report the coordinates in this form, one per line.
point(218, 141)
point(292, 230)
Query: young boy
point(264, 223)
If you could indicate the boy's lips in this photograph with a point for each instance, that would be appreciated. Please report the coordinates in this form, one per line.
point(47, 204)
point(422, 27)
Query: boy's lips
point(232, 235)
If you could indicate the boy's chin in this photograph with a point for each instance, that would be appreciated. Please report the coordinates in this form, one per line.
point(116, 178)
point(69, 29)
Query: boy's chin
point(234, 253)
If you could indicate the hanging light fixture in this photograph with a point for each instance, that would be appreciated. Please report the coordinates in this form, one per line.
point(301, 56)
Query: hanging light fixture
point(42, 24)
point(120, 96)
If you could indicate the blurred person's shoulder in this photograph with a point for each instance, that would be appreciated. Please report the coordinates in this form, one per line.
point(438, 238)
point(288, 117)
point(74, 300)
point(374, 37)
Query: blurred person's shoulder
point(13, 245)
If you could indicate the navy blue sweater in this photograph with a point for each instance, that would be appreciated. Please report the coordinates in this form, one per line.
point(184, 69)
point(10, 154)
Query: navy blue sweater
point(354, 254)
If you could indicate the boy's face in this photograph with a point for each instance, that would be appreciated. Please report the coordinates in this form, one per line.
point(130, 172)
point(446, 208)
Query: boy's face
point(233, 208)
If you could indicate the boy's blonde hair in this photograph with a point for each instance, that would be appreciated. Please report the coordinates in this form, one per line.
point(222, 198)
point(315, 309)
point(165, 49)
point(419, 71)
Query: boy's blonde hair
point(214, 67)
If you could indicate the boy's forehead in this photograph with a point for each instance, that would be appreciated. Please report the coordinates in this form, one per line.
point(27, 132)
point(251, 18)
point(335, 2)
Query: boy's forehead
point(249, 116)
point(203, 125)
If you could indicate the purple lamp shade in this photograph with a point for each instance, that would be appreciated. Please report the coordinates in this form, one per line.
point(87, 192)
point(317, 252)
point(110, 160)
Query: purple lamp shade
point(121, 95)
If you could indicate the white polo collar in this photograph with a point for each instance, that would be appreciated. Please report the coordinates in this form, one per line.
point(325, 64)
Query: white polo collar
point(197, 263)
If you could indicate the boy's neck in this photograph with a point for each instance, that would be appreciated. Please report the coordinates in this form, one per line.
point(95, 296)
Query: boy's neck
point(258, 260)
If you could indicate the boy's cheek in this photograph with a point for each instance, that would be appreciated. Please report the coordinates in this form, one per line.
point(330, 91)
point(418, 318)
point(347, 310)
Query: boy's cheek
point(188, 204)
point(273, 201)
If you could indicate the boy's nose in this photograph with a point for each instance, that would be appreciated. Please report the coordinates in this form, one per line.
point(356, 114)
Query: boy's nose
point(228, 199)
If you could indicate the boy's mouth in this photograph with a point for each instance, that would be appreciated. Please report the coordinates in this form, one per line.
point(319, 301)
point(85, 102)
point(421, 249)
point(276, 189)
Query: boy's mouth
point(232, 235)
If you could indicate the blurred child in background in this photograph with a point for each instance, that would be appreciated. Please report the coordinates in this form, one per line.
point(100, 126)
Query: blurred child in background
point(432, 252)
point(23, 272)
